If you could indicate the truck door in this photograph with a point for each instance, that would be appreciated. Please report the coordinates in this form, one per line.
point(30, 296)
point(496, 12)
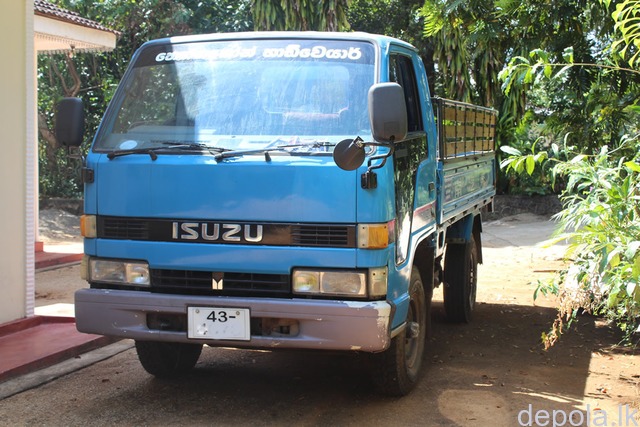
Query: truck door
point(413, 168)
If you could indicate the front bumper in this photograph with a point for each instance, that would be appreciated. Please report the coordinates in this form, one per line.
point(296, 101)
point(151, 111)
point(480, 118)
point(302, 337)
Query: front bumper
point(275, 323)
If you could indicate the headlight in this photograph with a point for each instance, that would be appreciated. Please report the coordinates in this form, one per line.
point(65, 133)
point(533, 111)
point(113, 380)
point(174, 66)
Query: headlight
point(119, 272)
point(366, 283)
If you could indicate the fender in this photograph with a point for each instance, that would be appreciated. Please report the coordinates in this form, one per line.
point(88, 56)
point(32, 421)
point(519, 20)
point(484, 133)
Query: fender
point(460, 232)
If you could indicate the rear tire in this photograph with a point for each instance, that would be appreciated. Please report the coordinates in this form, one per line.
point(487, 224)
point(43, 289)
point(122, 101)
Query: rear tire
point(397, 369)
point(167, 359)
point(461, 281)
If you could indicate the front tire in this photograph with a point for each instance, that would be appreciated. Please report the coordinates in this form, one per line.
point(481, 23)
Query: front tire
point(397, 369)
point(167, 359)
point(461, 281)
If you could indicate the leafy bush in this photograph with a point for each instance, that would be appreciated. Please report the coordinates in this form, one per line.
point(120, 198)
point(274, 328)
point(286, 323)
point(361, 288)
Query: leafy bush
point(601, 222)
point(525, 157)
point(530, 147)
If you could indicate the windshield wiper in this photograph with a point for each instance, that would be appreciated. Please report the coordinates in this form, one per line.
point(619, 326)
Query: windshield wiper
point(315, 144)
point(266, 150)
point(149, 151)
point(153, 151)
point(196, 146)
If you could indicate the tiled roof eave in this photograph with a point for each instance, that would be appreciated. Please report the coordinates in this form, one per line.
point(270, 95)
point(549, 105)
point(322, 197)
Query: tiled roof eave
point(49, 10)
point(53, 35)
point(78, 46)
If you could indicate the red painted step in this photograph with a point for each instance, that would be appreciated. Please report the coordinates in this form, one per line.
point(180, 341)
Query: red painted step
point(27, 345)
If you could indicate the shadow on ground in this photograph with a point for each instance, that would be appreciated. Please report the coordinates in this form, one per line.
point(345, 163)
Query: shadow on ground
point(484, 373)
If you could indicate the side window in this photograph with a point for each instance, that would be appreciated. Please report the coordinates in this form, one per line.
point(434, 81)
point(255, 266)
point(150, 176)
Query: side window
point(401, 71)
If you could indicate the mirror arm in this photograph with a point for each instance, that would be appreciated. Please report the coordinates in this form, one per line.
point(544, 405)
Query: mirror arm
point(75, 153)
point(369, 179)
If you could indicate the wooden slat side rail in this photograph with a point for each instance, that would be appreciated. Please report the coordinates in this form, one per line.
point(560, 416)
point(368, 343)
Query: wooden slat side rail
point(464, 129)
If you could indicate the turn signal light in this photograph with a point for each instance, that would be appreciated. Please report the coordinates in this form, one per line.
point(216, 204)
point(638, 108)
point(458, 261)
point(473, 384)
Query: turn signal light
point(88, 226)
point(373, 236)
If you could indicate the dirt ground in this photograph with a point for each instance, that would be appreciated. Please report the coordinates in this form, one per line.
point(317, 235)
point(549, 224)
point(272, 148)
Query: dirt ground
point(494, 370)
point(586, 370)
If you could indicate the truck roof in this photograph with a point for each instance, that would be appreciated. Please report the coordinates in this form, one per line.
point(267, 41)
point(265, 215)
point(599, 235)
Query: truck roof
point(378, 39)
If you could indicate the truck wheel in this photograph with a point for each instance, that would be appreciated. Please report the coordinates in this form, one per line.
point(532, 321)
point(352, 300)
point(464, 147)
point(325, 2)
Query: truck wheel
point(396, 369)
point(167, 359)
point(461, 281)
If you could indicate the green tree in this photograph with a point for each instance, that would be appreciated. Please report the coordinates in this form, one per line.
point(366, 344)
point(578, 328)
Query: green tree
point(473, 40)
point(300, 15)
point(590, 101)
point(395, 18)
point(470, 44)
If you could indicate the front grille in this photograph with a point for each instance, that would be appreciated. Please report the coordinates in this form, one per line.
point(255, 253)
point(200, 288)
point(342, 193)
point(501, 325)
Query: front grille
point(233, 284)
point(123, 228)
point(271, 234)
point(322, 235)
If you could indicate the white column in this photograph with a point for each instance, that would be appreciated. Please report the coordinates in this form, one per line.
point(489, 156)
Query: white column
point(31, 154)
point(16, 121)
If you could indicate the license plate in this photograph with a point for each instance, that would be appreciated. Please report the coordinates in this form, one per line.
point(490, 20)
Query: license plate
point(219, 323)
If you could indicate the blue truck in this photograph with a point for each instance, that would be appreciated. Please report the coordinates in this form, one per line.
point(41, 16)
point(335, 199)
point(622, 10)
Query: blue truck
point(294, 190)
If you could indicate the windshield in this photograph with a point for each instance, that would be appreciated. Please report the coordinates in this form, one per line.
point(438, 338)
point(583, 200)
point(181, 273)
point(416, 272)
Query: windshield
point(243, 95)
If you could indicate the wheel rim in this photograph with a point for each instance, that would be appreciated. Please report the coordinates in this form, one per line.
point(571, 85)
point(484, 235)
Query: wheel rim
point(412, 340)
point(473, 267)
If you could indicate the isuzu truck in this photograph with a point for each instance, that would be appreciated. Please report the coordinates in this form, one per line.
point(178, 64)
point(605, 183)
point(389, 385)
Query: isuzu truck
point(280, 190)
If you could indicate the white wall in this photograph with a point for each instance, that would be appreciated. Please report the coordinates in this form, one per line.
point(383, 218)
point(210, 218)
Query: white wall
point(17, 147)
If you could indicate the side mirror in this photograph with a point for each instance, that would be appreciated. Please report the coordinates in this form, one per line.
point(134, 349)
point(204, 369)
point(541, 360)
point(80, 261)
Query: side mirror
point(349, 154)
point(70, 122)
point(388, 120)
point(387, 112)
